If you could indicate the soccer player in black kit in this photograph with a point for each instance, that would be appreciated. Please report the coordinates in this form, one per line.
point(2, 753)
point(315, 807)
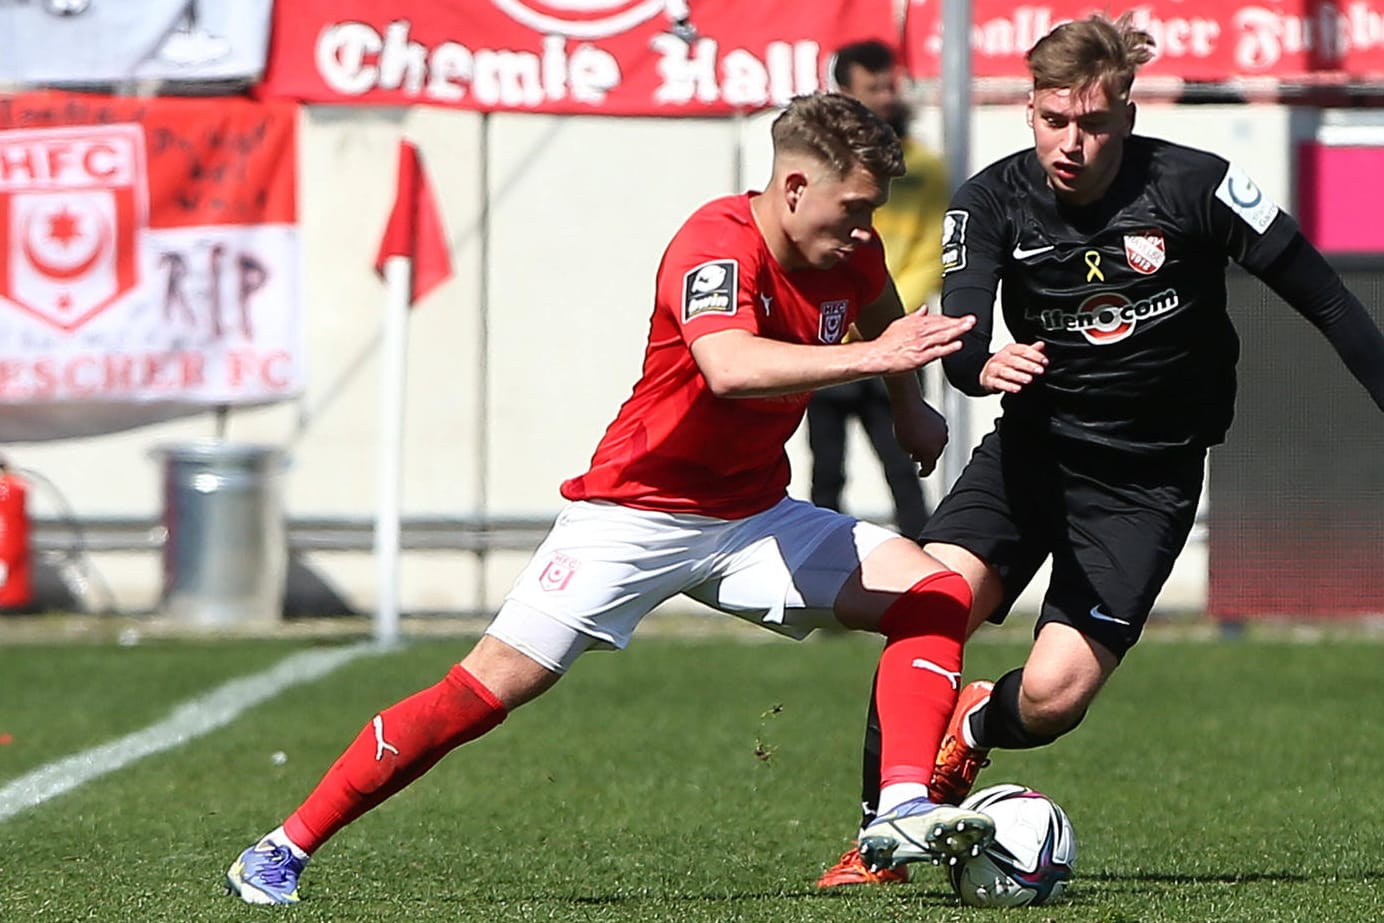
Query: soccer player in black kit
point(1109, 250)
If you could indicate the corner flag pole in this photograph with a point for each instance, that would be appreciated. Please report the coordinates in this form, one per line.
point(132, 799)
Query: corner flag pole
point(413, 260)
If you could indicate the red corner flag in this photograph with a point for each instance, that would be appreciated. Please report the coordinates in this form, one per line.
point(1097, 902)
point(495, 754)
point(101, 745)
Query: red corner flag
point(415, 227)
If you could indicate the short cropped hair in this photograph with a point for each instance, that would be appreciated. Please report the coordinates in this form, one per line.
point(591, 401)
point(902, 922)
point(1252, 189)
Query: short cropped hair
point(872, 55)
point(841, 132)
point(1084, 53)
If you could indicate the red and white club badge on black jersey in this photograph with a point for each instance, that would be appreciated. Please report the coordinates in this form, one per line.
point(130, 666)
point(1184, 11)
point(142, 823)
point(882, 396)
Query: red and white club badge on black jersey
point(1146, 251)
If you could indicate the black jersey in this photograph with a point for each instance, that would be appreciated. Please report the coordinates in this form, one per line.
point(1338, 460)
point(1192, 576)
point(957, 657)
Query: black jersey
point(1128, 293)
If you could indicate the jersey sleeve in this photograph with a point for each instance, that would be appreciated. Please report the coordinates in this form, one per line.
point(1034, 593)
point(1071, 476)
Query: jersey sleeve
point(706, 283)
point(973, 236)
point(974, 232)
point(1251, 228)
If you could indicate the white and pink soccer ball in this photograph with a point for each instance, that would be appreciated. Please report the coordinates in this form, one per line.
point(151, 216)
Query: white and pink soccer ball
point(1031, 859)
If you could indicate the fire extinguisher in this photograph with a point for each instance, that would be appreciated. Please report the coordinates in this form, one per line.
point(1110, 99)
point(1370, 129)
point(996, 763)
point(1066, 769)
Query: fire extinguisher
point(16, 572)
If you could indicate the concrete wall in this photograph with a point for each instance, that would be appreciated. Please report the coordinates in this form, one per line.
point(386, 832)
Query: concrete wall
point(516, 364)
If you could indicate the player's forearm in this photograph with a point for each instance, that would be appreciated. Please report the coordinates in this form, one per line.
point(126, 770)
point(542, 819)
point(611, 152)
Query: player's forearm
point(904, 389)
point(963, 367)
point(749, 366)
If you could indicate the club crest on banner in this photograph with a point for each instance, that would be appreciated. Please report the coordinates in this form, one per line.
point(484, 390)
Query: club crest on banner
point(1146, 251)
point(72, 201)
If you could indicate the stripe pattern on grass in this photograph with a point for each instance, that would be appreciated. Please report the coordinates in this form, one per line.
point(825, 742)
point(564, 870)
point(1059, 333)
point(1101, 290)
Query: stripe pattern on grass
point(188, 721)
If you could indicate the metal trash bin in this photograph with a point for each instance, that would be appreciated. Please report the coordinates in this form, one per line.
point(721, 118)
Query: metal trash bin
point(225, 550)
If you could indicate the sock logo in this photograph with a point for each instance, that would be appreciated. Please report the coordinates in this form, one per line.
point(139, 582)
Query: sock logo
point(953, 678)
point(380, 744)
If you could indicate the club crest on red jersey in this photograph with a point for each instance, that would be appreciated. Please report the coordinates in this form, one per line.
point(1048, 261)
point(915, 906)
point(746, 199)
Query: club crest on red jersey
point(1146, 251)
point(833, 325)
point(558, 573)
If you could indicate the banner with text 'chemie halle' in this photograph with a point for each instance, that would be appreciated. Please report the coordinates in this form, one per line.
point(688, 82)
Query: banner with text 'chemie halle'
point(148, 260)
point(604, 57)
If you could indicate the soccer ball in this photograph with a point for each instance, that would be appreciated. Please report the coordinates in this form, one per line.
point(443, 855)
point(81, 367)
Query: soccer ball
point(1031, 859)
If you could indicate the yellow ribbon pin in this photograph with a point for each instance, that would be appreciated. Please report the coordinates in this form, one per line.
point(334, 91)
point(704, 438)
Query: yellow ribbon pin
point(1093, 264)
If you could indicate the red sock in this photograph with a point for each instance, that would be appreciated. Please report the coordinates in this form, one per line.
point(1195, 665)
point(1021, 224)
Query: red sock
point(920, 674)
point(397, 746)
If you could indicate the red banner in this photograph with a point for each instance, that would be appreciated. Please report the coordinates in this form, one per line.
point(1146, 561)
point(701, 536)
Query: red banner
point(607, 57)
point(148, 256)
point(1286, 40)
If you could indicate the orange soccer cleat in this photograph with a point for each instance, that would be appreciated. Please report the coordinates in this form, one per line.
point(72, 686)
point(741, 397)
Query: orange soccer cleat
point(959, 760)
point(851, 870)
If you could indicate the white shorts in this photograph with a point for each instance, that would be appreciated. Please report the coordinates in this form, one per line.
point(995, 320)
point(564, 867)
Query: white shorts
point(603, 567)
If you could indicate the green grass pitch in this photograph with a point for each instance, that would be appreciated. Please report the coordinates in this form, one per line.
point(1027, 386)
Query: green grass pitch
point(706, 780)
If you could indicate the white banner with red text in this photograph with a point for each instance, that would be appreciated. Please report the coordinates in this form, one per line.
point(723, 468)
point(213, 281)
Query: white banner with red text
point(1312, 41)
point(607, 57)
point(149, 264)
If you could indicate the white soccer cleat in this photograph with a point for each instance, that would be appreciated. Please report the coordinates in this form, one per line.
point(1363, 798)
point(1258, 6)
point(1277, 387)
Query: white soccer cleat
point(921, 831)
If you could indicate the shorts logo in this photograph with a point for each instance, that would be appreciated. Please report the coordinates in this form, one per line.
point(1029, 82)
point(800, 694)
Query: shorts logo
point(954, 240)
point(1109, 317)
point(1247, 200)
point(710, 289)
point(1146, 251)
point(833, 325)
point(558, 573)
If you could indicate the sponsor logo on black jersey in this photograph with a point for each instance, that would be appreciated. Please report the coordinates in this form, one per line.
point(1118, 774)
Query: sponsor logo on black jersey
point(1246, 199)
point(1145, 251)
point(954, 240)
point(833, 325)
point(1109, 317)
point(710, 289)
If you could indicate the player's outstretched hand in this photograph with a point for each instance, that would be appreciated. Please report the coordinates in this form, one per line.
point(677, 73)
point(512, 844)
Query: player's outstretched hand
point(1013, 367)
point(913, 341)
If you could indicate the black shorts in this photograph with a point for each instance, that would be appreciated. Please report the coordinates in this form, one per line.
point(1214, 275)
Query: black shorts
point(1113, 523)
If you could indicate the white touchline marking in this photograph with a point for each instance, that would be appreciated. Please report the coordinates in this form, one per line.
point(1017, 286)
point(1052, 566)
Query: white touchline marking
point(190, 720)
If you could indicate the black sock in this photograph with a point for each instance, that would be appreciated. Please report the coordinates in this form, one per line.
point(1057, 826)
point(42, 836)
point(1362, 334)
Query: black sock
point(997, 724)
point(869, 763)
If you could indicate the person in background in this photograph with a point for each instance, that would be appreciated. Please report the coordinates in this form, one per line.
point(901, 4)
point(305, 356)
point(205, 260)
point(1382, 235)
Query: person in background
point(910, 226)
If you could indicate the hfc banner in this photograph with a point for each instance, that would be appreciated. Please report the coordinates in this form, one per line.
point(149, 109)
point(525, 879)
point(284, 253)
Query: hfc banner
point(1285, 40)
point(148, 260)
point(611, 57)
point(108, 41)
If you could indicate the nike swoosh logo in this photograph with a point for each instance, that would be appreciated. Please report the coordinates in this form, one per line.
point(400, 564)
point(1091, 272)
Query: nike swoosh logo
point(1022, 254)
point(1102, 617)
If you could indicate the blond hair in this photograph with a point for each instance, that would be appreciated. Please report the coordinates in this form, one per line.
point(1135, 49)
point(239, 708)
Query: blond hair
point(1085, 53)
point(841, 132)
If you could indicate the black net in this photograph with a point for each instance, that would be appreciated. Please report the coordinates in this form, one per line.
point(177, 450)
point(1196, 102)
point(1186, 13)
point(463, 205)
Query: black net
point(1296, 493)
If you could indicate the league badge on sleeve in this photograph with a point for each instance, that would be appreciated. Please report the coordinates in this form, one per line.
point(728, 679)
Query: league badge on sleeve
point(710, 289)
point(954, 240)
point(1246, 199)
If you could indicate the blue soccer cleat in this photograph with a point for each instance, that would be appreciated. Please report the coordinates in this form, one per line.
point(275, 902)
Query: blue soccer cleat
point(921, 831)
point(265, 873)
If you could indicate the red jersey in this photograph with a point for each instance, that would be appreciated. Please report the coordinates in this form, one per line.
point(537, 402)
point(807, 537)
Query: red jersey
point(675, 446)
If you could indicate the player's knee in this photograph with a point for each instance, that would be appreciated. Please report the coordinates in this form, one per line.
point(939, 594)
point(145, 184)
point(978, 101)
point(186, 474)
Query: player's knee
point(1051, 709)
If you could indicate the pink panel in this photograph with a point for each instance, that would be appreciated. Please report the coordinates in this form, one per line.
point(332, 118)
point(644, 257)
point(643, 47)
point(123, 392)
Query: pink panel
point(1341, 196)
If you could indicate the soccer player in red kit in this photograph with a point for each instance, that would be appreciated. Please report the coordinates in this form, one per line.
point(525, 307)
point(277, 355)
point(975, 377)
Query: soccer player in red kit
point(686, 493)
